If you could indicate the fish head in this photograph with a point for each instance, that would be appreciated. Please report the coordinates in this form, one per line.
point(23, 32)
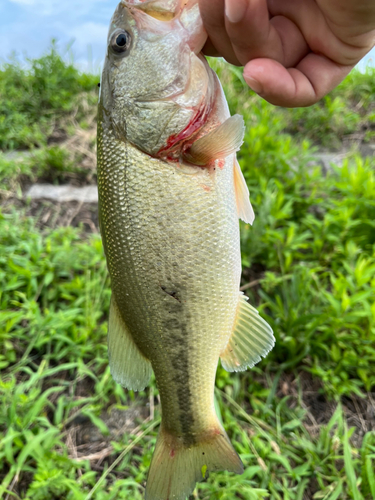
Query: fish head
point(155, 84)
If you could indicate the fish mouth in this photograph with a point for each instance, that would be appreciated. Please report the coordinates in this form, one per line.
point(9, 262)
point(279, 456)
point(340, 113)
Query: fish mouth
point(149, 13)
point(162, 16)
point(161, 10)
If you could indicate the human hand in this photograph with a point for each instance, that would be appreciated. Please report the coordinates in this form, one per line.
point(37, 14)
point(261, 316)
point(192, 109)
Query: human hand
point(294, 51)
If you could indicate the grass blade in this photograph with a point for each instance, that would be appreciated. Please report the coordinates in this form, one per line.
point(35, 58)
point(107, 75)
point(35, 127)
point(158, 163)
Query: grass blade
point(349, 468)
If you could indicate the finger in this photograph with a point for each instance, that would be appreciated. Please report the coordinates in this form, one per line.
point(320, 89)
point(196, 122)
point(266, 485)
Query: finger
point(249, 30)
point(319, 33)
point(292, 41)
point(257, 37)
point(210, 50)
point(304, 85)
point(245, 32)
point(214, 21)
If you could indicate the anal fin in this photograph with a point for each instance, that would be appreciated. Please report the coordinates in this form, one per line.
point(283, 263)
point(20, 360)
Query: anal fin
point(252, 338)
point(224, 140)
point(128, 365)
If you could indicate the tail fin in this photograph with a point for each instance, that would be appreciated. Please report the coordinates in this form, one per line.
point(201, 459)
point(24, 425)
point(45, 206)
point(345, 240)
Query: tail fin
point(176, 467)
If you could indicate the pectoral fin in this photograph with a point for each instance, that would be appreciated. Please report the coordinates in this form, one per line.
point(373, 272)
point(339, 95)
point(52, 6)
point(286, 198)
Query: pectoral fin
point(252, 339)
point(244, 208)
point(219, 143)
point(128, 365)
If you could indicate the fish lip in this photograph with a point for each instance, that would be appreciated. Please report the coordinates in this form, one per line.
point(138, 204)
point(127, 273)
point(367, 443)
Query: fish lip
point(143, 4)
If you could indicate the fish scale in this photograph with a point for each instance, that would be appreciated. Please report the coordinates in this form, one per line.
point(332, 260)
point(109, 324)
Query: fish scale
point(162, 229)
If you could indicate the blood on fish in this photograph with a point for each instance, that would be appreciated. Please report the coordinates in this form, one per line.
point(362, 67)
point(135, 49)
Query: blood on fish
point(198, 120)
point(172, 453)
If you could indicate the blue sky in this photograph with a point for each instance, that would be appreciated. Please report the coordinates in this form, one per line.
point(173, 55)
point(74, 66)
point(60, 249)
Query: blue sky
point(27, 26)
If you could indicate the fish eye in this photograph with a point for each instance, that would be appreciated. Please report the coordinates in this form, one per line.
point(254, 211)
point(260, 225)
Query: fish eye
point(120, 41)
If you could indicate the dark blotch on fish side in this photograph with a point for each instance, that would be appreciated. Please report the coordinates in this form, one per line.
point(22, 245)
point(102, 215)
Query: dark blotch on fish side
point(171, 293)
point(180, 363)
point(178, 334)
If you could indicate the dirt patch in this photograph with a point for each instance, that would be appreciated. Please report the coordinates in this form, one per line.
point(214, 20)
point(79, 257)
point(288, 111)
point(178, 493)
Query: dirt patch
point(85, 441)
point(360, 413)
point(307, 391)
point(91, 440)
point(50, 214)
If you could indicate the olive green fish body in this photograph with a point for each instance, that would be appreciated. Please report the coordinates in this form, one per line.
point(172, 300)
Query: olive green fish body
point(175, 270)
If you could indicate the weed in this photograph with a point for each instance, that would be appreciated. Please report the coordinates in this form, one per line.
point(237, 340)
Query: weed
point(311, 253)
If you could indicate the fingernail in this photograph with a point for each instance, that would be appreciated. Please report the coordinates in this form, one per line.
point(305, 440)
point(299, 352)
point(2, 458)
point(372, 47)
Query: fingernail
point(235, 10)
point(253, 84)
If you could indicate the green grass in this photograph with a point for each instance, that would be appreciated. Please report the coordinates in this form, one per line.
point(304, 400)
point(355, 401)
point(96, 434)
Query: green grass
point(32, 99)
point(298, 419)
point(346, 110)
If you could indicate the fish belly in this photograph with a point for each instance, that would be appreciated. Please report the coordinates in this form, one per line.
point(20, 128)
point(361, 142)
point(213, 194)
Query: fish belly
point(171, 238)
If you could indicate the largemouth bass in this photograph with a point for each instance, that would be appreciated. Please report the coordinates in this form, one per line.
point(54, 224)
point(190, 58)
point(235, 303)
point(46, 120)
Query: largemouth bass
point(170, 195)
